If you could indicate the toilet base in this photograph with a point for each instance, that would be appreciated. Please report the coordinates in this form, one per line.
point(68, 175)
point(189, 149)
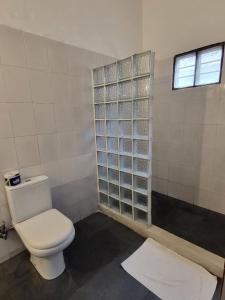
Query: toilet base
point(49, 267)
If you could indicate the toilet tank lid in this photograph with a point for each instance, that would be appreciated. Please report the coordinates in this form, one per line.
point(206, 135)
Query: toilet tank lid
point(26, 182)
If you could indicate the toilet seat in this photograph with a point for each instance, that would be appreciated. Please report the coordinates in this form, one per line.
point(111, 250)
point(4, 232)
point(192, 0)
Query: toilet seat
point(46, 232)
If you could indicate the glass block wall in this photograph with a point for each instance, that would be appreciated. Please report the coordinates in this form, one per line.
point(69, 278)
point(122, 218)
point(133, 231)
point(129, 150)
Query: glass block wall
point(122, 94)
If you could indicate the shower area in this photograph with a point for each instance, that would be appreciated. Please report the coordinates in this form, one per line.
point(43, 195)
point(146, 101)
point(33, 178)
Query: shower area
point(123, 95)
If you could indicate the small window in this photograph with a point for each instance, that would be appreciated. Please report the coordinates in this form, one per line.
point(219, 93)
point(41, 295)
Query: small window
point(198, 67)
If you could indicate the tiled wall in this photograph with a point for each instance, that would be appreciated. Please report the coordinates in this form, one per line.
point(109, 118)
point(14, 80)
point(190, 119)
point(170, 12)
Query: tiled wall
point(189, 141)
point(46, 121)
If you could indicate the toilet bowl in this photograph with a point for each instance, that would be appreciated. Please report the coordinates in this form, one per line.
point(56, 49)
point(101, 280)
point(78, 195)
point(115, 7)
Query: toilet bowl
point(45, 237)
point(45, 231)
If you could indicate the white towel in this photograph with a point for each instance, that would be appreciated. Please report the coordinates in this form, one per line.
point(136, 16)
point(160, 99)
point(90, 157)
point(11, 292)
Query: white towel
point(169, 275)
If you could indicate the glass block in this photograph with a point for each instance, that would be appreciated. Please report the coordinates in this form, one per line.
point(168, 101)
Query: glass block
point(113, 176)
point(141, 200)
point(99, 94)
point(125, 195)
point(141, 109)
point(100, 111)
point(141, 129)
point(100, 127)
point(140, 216)
point(141, 87)
point(114, 190)
point(113, 161)
point(112, 145)
point(141, 167)
point(126, 180)
point(98, 75)
point(124, 68)
point(101, 143)
point(141, 63)
point(102, 172)
point(125, 129)
point(112, 128)
point(103, 186)
point(103, 199)
point(114, 204)
point(126, 163)
point(110, 73)
point(141, 184)
point(111, 92)
point(111, 111)
point(126, 210)
point(125, 90)
point(125, 110)
point(126, 146)
point(102, 158)
point(141, 148)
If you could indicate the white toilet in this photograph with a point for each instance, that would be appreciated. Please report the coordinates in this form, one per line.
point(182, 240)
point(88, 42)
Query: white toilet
point(44, 231)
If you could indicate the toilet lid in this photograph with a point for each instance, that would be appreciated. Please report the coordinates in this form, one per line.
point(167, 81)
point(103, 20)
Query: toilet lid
point(46, 230)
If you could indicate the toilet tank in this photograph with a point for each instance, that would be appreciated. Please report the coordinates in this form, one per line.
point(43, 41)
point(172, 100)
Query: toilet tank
point(29, 198)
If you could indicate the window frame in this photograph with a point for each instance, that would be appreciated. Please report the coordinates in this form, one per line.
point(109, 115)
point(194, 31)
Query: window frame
point(196, 51)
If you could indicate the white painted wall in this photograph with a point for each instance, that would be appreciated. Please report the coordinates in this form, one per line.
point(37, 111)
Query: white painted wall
point(176, 26)
point(109, 27)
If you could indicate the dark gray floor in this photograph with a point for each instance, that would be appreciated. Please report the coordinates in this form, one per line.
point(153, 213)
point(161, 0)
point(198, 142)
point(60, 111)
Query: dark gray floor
point(93, 268)
point(200, 226)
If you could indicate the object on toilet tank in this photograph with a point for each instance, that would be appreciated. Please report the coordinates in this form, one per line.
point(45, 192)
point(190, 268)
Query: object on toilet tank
point(12, 178)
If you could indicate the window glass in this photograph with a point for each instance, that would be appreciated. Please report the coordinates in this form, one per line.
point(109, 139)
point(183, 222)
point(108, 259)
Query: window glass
point(208, 66)
point(185, 70)
point(198, 67)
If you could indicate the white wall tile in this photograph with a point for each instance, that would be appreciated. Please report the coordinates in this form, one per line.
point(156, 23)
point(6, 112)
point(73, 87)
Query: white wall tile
point(221, 112)
point(182, 192)
point(206, 178)
point(6, 217)
point(14, 243)
point(188, 136)
point(57, 53)
point(31, 171)
point(7, 155)
point(160, 185)
point(44, 110)
point(48, 146)
point(211, 110)
point(14, 84)
point(41, 86)
point(66, 144)
point(204, 198)
point(160, 150)
point(5, 121)
point(63, 117)
point(27, 151)
point(54, 173)
point(176, 132)
point(60, 88)
point(12, 48)
point(22, 117)
point(44, 117)
point(37, 51)
point(160, 169)
point(177, 110)
point(4, 251)
point(209, 135)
